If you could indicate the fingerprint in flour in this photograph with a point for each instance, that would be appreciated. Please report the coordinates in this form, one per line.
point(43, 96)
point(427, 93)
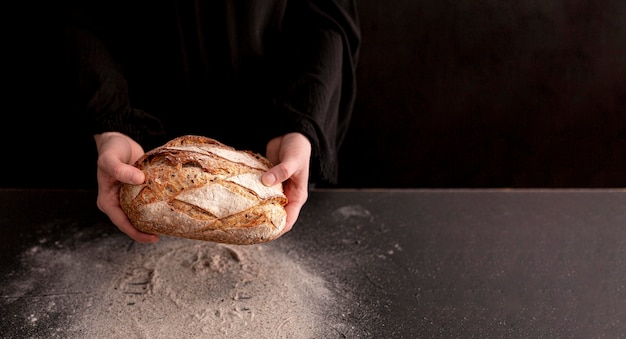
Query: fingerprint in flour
point(136, 281)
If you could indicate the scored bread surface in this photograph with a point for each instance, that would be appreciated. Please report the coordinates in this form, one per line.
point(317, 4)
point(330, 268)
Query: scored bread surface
point(199, 188)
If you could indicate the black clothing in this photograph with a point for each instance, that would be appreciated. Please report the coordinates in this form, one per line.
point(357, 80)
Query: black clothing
point(241, 72)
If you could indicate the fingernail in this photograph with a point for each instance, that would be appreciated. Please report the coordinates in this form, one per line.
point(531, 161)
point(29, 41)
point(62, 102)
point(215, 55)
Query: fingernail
point(269, 179)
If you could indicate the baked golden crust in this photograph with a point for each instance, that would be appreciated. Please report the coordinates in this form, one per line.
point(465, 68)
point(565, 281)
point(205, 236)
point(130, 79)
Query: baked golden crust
point(199, 188)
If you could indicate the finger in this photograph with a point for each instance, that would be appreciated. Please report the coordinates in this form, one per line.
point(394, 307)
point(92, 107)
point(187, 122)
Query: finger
point(279, 173)
point(119, 218)
point(293, 211)
point(131, 174)
point(108, 202)
point(297, 196)
point(120, 171)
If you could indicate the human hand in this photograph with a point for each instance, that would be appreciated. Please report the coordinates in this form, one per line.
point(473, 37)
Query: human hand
point(292, 155)
point(116, 154)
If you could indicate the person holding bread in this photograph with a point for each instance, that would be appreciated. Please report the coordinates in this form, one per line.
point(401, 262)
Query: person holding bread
point(276, 77)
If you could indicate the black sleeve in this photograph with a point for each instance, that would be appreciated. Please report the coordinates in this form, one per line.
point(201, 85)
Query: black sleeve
point(99, 89)
point(323, 41)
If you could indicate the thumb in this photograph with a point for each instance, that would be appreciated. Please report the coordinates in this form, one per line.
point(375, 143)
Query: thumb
point(277, 174)
point(132, 175)
point(122, 172)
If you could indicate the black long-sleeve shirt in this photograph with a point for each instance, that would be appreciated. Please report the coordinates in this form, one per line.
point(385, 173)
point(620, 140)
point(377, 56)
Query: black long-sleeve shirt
point(241, 72)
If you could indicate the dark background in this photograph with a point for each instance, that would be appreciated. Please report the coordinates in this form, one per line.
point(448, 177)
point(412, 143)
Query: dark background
point(450, 94)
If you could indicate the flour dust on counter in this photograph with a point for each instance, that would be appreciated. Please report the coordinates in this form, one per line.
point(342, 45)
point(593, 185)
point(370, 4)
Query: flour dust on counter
point(115, 288)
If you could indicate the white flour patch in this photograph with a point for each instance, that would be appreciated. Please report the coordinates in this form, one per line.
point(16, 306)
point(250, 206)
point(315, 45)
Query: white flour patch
point(350, 211)
point(174, 288)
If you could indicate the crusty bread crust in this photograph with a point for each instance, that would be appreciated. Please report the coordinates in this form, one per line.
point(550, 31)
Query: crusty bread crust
point(199, 188)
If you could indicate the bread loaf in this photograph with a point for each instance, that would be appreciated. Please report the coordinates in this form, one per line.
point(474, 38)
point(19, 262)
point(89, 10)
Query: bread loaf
point(199, 188)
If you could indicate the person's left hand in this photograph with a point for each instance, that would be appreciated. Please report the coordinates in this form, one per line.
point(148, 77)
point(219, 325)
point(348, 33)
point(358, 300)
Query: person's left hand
point(292, 155)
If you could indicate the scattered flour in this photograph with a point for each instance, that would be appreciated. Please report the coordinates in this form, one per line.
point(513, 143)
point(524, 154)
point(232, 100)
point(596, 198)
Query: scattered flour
point(112, 288)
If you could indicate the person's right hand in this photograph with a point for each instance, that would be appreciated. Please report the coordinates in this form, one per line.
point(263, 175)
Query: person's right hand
point(116, 154)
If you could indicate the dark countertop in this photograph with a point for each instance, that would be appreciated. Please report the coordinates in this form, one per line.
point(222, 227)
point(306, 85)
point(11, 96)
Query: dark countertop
point(416, 263)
